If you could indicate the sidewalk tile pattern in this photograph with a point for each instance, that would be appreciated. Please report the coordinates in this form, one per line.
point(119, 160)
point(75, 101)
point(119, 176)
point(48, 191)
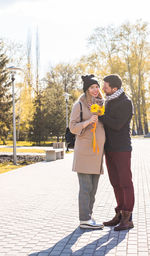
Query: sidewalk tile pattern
point(39, 211)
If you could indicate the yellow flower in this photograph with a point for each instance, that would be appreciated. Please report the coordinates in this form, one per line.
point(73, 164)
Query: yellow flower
point(94, 108)
point(99, 110)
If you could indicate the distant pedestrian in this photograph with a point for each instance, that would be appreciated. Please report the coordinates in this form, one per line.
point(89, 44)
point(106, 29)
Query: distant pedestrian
point(86, 163)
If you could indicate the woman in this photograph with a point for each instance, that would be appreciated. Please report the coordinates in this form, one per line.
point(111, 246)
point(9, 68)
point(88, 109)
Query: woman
point(86, 163)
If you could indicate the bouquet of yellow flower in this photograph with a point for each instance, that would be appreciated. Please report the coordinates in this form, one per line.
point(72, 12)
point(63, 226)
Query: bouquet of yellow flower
point(96, 110)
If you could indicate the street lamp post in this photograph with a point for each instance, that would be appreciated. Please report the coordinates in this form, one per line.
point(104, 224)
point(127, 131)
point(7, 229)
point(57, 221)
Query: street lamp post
point(66, 99)
point(13, 70)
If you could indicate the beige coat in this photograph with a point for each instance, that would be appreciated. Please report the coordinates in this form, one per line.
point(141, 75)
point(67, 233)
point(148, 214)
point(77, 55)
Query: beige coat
point(85, 160)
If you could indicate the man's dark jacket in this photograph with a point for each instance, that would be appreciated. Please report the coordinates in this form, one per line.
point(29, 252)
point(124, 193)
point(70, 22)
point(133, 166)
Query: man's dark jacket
point(116, 120)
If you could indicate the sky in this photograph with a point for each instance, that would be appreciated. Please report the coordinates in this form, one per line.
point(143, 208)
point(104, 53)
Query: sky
point(64, 25)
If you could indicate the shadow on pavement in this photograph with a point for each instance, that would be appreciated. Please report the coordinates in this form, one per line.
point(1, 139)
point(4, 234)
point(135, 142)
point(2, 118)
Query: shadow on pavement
point(99, 247)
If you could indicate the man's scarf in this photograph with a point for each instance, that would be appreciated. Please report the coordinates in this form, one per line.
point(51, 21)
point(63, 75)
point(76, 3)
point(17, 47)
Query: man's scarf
point(114, 95)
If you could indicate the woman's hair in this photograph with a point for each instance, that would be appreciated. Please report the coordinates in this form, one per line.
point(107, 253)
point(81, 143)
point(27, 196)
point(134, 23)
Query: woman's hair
point(100, 94)
point(88, 97)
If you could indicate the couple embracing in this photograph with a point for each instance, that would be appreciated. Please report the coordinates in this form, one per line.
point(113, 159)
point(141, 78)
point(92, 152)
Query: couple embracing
point(111, 137)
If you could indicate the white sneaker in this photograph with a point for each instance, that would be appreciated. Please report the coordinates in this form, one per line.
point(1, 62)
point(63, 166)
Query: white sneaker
point(90, 224)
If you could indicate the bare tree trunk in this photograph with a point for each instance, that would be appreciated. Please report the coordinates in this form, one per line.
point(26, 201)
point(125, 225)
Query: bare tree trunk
point(19, 115)
point(3, 140)
point(18, 128)
point(144, 112)
point(37, 61)
point(133, 95)
point(133, 126)
point(139, 104)
point(135, 114)
point(140, 128)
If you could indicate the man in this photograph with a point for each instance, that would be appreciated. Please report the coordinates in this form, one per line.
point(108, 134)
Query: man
point(116, 120)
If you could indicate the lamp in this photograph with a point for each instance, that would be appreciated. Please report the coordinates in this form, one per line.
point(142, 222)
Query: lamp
point(13, 71)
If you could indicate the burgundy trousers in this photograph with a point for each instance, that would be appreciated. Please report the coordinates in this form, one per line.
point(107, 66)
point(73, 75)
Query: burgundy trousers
point(119, 170)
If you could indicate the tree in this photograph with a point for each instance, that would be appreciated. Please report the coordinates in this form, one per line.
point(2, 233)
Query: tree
point(24, 110)
point(103, 39)
point(15, 52)
point(54, 109)
point(25, 94)
point(5, 97)
point(125, 50)
point(134, 46)
point(64, 75)
point(37, 61)
point(37, 125)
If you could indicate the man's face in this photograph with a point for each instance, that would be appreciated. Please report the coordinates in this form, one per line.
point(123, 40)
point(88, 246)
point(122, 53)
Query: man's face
point(107, 89)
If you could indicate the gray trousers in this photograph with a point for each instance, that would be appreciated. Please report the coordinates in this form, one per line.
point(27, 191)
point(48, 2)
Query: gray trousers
point(87, 189)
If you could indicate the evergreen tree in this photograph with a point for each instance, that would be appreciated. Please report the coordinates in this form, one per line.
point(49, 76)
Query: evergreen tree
point(55, 118)
point(37, 125)
point(5, 97)
point(49, 118)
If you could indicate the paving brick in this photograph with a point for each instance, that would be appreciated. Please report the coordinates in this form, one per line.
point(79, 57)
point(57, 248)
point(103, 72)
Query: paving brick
point(39, 211)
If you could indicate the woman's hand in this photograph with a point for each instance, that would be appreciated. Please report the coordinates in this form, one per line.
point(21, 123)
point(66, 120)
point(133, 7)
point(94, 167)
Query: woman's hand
point(93, 119)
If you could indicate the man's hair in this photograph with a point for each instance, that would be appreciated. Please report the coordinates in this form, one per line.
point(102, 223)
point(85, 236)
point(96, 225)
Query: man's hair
point(114, 81)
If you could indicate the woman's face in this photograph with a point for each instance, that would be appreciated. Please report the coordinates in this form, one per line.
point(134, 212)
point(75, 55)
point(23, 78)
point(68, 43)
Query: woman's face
point(94, 90)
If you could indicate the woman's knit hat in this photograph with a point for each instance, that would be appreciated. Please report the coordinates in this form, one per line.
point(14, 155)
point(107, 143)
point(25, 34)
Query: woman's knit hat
point(88, 81)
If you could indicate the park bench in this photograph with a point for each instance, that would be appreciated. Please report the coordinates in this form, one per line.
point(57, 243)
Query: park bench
point(57, 152)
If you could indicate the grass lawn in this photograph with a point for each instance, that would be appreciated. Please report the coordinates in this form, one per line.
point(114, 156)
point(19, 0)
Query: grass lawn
point(27, 143)
point(19, 150)
point(18, 143)
point(8, 166)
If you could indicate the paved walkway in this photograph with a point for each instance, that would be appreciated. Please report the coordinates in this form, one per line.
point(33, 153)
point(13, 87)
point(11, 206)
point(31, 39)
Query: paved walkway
point(39, 211)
